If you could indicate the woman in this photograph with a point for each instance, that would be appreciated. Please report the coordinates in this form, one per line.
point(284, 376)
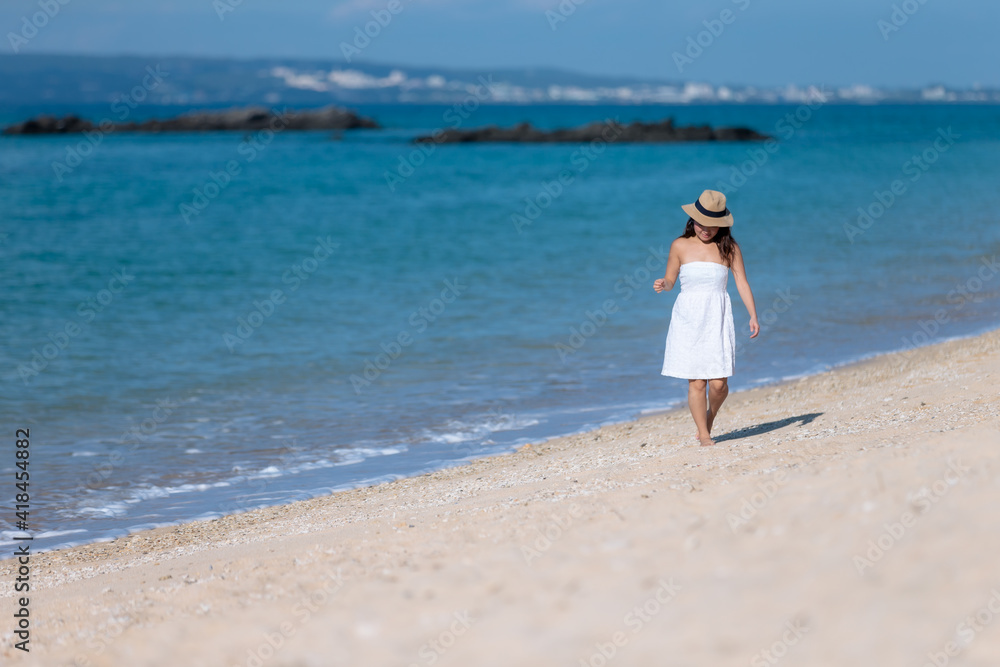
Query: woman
point(701, 339)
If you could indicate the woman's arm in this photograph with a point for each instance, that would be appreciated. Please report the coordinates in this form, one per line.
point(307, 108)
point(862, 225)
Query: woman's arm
point(743, 286)
point(666, 283)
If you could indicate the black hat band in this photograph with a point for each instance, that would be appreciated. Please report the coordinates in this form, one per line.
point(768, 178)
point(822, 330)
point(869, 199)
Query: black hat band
point(711, 214)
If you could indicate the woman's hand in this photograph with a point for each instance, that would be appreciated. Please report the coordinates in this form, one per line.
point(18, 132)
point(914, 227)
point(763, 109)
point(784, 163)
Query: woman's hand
point(754, 327)
point(659, 284)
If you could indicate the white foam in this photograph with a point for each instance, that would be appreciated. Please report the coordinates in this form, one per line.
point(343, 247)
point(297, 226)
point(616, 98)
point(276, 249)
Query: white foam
point(7, 536)
point(100, 505)
point(57, 533)
point(456, 430)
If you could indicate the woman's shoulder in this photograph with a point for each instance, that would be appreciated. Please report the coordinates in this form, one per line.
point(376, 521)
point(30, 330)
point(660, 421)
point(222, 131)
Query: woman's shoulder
point(680, 243)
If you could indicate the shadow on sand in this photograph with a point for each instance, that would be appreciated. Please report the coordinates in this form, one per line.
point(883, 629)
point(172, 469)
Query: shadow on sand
point(761, 429)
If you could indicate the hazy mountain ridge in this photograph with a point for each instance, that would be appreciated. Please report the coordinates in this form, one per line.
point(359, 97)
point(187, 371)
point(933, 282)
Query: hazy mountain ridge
point(72, 79)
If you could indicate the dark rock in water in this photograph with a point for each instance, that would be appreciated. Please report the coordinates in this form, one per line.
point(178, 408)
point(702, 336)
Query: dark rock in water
point(611, 131)
point(245, 119)
point(50, 125)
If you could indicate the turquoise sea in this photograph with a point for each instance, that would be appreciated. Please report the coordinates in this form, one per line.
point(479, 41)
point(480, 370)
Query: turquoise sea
point(200, 324)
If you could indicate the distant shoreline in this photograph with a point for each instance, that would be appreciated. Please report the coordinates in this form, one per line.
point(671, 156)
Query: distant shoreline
point(46, 78)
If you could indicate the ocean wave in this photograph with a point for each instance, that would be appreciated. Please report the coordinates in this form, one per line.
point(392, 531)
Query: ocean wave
point(457, 431)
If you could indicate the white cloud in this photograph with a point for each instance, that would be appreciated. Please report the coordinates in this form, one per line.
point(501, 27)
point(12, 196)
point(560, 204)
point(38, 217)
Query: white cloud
point(302, 81)
point(350, 78)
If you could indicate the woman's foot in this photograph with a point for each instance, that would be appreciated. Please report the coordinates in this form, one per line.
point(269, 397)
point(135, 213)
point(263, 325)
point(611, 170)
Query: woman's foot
point(706, 440)
point(710, 419)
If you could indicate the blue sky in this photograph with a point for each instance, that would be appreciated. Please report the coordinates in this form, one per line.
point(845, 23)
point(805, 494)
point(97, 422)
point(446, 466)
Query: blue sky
point(766, 42)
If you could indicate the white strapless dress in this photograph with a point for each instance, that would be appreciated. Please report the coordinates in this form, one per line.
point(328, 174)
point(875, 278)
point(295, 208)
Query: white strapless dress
point(701, 339)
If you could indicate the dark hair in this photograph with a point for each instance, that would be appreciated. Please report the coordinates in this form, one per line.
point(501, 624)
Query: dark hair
point(723, 238)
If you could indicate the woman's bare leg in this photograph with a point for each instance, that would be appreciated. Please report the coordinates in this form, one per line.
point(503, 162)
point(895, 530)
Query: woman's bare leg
point(717, 392)
point(697, 404)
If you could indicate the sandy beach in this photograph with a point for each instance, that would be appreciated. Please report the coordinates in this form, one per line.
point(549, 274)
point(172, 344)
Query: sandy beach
point(847, 518)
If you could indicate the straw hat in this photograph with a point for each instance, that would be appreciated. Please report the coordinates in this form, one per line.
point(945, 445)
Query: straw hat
point(710, 210)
